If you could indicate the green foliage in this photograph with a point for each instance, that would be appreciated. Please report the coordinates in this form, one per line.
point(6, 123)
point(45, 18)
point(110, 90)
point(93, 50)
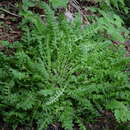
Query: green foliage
point(57, 74)
point(59, 3)
point(120, 110)
point(110, 3)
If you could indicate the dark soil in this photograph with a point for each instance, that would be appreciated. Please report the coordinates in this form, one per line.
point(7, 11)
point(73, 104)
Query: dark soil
point(9, 23)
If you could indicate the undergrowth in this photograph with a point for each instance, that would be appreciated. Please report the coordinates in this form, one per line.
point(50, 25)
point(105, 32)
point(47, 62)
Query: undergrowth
point(60, 72)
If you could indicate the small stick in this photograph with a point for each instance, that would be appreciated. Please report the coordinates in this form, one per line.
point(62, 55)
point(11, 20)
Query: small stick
point(9, 12)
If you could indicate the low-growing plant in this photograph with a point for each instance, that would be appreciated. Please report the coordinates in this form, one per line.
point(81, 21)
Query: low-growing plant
point(60, 72)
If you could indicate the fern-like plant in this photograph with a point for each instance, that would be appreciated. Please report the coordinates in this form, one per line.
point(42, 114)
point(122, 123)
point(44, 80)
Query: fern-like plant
point(60, 72)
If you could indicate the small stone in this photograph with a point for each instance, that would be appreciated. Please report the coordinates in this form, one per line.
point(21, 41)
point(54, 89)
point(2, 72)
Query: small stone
point(69, 16)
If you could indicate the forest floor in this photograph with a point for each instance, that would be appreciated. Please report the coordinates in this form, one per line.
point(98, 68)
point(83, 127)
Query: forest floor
point(10, 31)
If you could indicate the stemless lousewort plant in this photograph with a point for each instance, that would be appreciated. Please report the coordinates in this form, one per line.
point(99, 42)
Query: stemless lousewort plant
point(59, 72)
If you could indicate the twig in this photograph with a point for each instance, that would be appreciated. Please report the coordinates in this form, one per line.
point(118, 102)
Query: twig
point(9, 12)
point(75, 4)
